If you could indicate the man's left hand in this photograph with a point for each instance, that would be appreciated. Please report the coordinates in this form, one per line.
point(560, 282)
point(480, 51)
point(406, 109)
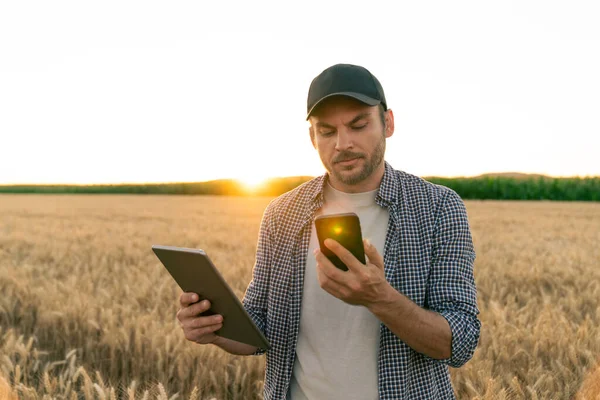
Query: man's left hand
point(361, 284)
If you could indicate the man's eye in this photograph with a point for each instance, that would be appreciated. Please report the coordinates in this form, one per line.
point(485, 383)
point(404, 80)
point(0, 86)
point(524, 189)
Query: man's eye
point(359, 127)
point(326, 134)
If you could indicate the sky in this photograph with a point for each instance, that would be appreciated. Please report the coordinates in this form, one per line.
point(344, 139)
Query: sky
point(157, 91)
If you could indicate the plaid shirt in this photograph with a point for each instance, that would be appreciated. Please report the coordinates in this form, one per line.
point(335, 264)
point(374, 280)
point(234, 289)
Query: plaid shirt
point(428, 256)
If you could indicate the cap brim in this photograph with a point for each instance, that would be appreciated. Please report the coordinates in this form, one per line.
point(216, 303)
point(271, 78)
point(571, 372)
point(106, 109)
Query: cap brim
point(358, 96)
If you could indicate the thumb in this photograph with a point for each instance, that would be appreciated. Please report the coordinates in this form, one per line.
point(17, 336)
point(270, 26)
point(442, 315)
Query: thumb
point(372, 254)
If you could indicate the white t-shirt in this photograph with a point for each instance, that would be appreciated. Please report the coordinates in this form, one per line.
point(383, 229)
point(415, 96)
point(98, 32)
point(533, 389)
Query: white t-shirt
point(338, 343)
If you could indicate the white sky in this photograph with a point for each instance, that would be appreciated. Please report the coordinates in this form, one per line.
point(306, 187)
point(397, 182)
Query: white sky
point(124, 91)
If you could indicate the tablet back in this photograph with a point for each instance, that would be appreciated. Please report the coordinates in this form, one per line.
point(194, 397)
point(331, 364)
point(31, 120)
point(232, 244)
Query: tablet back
point(194, 272)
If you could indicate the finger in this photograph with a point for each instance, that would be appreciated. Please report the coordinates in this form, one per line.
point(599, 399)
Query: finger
point(328, 269)
point(329, 285)
point(345, 255)
point(194, 310)
point(198, 333)
point(188, 298)
point(199, 308)
point(372, 254)
point(202, 322)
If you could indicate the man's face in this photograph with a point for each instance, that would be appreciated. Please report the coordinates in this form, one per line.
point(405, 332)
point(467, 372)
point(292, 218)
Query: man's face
point(350, 138)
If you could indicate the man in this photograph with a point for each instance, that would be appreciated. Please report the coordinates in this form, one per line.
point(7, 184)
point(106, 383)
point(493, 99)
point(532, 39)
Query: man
point(388, 329)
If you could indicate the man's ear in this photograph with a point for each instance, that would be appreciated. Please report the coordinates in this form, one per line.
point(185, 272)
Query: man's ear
point(389, 123)
point(311, 132)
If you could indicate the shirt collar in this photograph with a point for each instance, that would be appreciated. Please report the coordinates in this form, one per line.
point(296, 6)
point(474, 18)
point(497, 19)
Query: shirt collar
point(389, 188)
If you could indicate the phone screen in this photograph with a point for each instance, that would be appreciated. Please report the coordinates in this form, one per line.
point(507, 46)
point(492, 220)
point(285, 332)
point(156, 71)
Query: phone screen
point(345, 229)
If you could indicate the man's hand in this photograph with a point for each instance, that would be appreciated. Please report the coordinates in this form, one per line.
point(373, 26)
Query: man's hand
point(199, 329)
point(425, 331)
point(361, 284)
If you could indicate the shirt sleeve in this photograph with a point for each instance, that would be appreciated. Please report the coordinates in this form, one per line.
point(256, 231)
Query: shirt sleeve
point(255, 298)
point(452, 292)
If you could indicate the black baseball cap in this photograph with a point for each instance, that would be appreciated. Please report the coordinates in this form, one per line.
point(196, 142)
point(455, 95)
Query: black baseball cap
point(345, 80)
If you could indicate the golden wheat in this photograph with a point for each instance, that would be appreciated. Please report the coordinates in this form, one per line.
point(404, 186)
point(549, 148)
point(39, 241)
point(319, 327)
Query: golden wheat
point(87, 311)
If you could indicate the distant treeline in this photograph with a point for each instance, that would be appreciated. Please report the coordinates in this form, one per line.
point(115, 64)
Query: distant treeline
point(485, 187)
point(226, 187)
point(538, 188)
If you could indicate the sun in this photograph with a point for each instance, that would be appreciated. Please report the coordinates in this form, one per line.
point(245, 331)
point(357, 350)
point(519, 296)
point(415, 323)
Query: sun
point(252, 183)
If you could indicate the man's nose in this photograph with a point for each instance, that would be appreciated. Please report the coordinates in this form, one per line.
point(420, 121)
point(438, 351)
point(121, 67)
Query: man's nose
point(344, 141)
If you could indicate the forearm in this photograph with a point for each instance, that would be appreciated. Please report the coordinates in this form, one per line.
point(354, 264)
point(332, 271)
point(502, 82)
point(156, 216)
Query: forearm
point(425, 331)
point(233, 347)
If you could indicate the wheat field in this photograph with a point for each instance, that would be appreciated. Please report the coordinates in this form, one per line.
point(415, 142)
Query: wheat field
point(88, 312)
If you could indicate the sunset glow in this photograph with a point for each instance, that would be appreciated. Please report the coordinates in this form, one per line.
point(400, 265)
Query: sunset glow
point(199, 99)
point(253, 184)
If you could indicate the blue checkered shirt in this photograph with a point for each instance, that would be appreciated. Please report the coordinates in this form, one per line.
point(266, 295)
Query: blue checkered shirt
point(428, 256)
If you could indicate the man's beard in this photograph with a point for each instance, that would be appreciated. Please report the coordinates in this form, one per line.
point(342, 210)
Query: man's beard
point(369, 166)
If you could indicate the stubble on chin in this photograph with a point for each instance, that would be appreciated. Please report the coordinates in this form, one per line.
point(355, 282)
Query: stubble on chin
point(366, 170)
point(349, 177)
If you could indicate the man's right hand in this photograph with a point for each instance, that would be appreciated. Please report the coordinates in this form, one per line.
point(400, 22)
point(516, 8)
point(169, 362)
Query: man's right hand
point(197, 328)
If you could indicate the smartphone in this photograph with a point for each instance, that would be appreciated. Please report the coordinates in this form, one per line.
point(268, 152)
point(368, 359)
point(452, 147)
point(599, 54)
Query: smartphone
point(345, 229)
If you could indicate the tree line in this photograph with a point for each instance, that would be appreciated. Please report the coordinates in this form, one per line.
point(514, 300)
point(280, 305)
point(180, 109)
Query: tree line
point(482, 188)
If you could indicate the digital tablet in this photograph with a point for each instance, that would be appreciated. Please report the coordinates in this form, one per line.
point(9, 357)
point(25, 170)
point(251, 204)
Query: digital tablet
point(194, 272)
